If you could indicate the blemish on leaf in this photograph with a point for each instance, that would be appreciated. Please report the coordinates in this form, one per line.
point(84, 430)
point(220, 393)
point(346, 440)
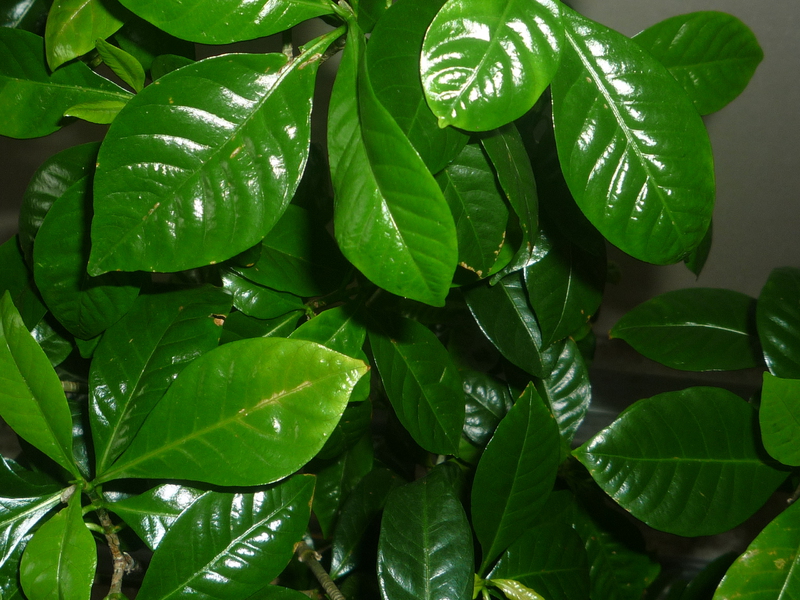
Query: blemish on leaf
point(170, 100)
point(478, 272)
point(219, 320)
point(780, 563)
point(236, 151)
point(314, 58)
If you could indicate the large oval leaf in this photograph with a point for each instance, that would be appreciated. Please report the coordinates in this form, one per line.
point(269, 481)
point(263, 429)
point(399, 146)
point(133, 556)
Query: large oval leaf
point(74, 25)
point(633, 148)
point(207, 158)
point(257, 301)
point(236, 543)
point(17, 517)
point(713, 55)
point(246, 413)
point(779, 417)
point(487, 402)
point(778, 321)
point(685, 462)
point(485, 62)
point(695, 329)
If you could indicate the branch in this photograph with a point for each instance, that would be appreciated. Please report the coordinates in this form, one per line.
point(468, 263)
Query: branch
point(122, 562)
point(311, 558)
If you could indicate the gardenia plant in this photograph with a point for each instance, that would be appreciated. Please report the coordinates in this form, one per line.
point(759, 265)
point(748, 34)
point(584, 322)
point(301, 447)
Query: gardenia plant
point(226, 349)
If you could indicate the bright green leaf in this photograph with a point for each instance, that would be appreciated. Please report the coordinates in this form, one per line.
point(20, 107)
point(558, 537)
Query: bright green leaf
point(778, 321)
point(125, 66)
point(696, 260)
point(56, 342)
point(369, 12)
point(779, 416)
point(257, 301)
point(238, 326)
point(18, 281)
point(17, 517)
point(74, 25)
point(340, 328)
point(514, 590)
point(101, 112)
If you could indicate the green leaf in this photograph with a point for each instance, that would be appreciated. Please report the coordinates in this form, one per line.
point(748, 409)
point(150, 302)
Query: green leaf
point(369, 12)
point(152, 514)
point(141, 355)
point(18, 482)
point(125, 66)
point(17, 517)
point(227, 21)
point(779, 416)
point(32, 401)
point(101, 112)
point(425, 547)
point(633, 149)
point(238, 326)
point(480, 213)
point(422, 383)
point(74, 25)
point(514, 590)
point(685, 462)
point(9, 574)
point(696, 260)
point(145, 43)
point(32, 99)
point(258, 301)
point(56, 342)
point(276, 592)
point(60, 559)
point(694, 329)
point(713, 55)
point(230, 544)
point(183, 167)
point(340, 328)
point(778, 321)
point(390, 218)
point(515, 475)
point(247, 413)
point(393, 65)
point(487, 402)
point(18, 281)
point(29, 15)
point(485, 62)
point(354, 423)
point(769, 567)
point(85, 305)
point(56, 175)
point(167, 63)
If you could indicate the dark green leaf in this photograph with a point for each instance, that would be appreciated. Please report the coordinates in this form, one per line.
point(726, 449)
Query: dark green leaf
point(696, 260)
point(391, 220)
point(258, 301)
point(74, 25)
point(146, 42)
point(152, 514)
point(85, 305)
point(32, 100)
point(276, 592)
point(422, 383)
point(184, 167)
point(247, 413)
point(18, 482)
point(141, 355)
point(515, 475)
point(10, 588)
point(393, 62)
point(694, 329)
point(101, 112)
point(369, 12)
point(425, 547)
point(778, 320)
point(779, 416)
point(713, 55)
point(167, 63)
point(32, 401)
point(60, 559)
point(125, 66)
point(686, 462)
point(354, 423)
point(230, 545)
point(633, 149)
point(487, 402)
point(17, 517)
point(18, 281)
point(29, 15)
point(86, 348)
point(238, 326)
point(227, 21)
point(485, 62)
point(702, 586)
point(56, 342)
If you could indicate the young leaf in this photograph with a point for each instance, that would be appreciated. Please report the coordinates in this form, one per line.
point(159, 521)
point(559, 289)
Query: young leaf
point(713, 55)
point(247, 413)
point(238, 326)
point(684, 462)
point(101, 112)
point(230, 545)
point(141, 355)
point(60, 559)
point(425, 546)
point(32, 99)
point(125, 66)
point(694, 329)
point(74, 25)
point(487, 402)
point(422, 383)
point(199, 171)
point(633, 148)
point(485, 62)
point(778, 322)
point(515, 475)
point(779, 416)
point(257, 301)
point(32, 400)
point(17, 517)
point(18, 281)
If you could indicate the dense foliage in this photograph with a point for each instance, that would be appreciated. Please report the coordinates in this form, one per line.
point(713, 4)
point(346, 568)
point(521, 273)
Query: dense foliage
point(224, 345)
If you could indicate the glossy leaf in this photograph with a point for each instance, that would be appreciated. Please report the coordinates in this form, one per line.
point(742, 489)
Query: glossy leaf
point(696, 260)
point(56, 175)
point(74, 25)
point(712, 54)
point(167, 63)
point(769, 567)
point(778, 321)
point(60, 559)
point(85, 305)
point(183, 167)
point(470, 188)
point(514, 590)
point(257, 301)
point(32, 99)
point(19, 482)
point(230, 544)
point(101, 112)
point(9, 574)
point(633, 149)
point(233, 415)
point(18, 281)
point(422, 383)
point(228, 20)
point(515, 475)
point(145, 43)
point(779, 416)
point(238, 326)
point(17, 517)
point(340, 328)
point(425, 547)
point(29, 15)
point(393, 63)
point(276, 592)
point(125, 66)
point(32, 401)
point(485, 62)
point(390, 218)
point(684, 462)
point(141, 355)
point(694, 329)
point(487, 402)
point(152, 514)
point(355, 422)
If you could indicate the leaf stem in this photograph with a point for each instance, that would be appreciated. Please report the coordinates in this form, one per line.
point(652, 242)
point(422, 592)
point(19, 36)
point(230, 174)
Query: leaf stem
point(123, 563)
point(288, 45)
point(307, 555)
